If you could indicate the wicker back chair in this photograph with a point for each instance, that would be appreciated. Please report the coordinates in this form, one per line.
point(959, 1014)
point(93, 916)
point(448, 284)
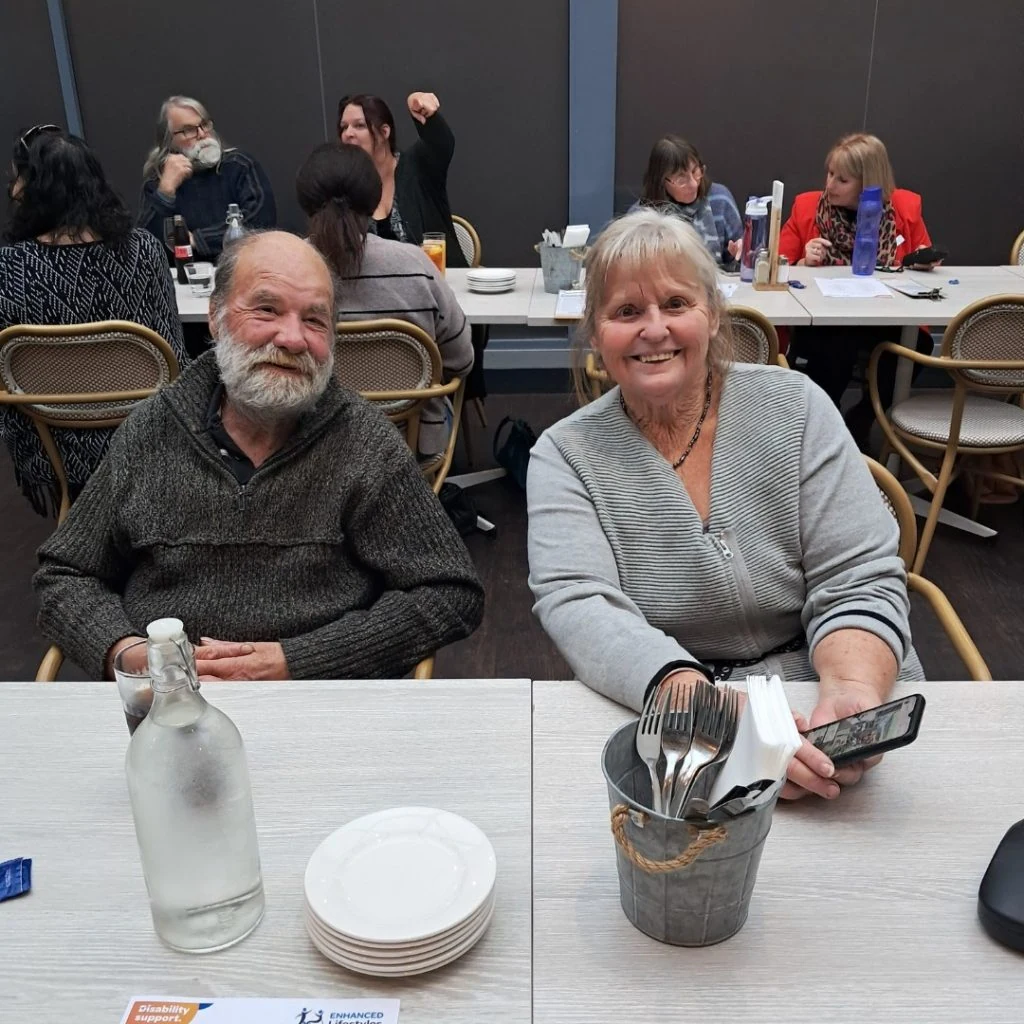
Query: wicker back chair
point(898, 505)
point(83, 377)
point(398, 365)
point(469, 240)
point(1017, 250)
point(755, 339)
point(983, 353)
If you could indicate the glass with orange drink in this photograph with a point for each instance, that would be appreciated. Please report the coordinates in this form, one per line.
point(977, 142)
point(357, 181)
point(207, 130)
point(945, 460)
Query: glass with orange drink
point(435, 245)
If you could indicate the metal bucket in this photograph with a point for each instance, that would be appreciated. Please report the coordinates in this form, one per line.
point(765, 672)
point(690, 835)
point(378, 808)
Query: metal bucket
point(682, 882)
point(561, 267)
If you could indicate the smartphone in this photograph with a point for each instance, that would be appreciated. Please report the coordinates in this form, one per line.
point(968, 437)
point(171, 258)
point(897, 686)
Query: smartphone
point(923, 257)
point(871, 732)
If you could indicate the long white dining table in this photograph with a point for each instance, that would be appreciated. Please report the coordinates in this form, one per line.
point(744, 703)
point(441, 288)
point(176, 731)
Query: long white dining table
point(864, 908)
point(780, 307)
point(511, 307)
point(528, 304)
point(81, 943)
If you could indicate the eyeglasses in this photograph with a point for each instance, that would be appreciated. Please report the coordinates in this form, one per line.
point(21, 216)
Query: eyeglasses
point(30, 136)
point(694, 174)
point(191, 131)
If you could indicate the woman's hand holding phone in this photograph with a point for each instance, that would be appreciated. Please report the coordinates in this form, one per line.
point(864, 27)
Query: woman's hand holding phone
point(811, 771)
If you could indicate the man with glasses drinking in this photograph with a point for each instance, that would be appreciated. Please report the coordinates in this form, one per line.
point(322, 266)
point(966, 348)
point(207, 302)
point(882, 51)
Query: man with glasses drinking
point(190, 172)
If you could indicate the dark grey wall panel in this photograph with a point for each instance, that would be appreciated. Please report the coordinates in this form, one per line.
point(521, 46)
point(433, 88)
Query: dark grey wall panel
point(762, 91)
point(29, 87)
point(955, 133)
point(500, 71)
point(252, 62)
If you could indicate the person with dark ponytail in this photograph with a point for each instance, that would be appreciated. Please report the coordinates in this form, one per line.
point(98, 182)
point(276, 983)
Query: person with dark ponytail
point(339, 189)
point(414, 192)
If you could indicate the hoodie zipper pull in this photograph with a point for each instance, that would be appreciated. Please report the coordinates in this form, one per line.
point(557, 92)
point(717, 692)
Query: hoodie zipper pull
point(723, 549)
point(242, 498)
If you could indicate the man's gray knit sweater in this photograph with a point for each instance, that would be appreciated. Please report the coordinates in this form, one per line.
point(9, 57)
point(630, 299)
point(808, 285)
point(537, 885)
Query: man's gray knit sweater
point(336, 547)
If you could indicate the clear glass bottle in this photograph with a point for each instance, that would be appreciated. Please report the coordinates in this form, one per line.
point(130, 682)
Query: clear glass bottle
point(234, 224)
point(194, 820)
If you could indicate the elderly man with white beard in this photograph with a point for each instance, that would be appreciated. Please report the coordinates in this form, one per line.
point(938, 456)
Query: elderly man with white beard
point(281, 517)
point(190, 172)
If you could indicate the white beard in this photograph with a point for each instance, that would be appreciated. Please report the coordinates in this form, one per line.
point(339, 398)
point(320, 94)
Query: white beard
point(263, 395)
point(205, 153)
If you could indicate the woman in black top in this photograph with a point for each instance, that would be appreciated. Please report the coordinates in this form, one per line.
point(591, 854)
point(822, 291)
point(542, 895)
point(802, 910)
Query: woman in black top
point(414, 197)
point(73, 257)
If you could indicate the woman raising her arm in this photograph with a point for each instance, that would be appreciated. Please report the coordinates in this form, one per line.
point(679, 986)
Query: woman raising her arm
point(414, 193)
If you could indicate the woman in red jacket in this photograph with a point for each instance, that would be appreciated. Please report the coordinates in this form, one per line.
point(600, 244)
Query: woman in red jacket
point(820, 232)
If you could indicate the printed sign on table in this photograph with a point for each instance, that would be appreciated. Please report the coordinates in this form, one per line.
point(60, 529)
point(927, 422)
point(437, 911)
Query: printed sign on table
point(162, 1010)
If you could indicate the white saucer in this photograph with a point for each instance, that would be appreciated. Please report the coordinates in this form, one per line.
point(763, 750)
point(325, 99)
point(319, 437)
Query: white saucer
point(491, 290)
point(490, 275)
point(400, 876)
point(397, 955)
point(398, 970)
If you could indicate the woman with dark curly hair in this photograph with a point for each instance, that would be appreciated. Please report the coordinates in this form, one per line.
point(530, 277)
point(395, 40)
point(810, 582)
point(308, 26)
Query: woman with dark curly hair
point(72, 257)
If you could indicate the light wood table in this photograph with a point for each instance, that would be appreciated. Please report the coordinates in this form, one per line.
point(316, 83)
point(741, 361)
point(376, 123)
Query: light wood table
point(864, 909)
point(778, 306)
point(82, 943)
point(504, 308)
point(509, 307)
point(896, 310)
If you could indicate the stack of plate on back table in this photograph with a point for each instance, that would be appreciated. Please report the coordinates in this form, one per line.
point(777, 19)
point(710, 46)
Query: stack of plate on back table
point(490, 279)
point(400, 892)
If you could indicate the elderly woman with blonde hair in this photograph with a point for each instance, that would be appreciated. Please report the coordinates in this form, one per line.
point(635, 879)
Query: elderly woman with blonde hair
point(709, 519)
point(820, 232)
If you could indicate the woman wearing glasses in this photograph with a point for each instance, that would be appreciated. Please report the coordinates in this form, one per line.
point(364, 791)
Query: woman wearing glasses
point(414, 181)
point(72, 256)
point(677, 182)
point(190, 172)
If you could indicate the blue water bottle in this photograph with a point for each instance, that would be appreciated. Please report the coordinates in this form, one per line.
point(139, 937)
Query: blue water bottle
point(865, 244)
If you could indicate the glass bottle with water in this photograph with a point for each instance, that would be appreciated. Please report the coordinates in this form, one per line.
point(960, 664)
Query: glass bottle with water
point(234, 224)
point(190, 796)
point(865, 242)
point(755, 235)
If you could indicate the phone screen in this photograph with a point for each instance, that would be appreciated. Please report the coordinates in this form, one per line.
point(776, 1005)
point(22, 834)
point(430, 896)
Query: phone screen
point(871, 728)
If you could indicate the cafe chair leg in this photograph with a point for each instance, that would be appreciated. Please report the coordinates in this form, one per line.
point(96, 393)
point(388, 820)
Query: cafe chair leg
point(50, 665)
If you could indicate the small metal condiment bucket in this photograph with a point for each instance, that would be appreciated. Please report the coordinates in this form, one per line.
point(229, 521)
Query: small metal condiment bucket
point(687, 883)
point(561, 267)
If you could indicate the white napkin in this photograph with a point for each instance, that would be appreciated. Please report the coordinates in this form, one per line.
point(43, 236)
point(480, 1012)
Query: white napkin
point(766, 739)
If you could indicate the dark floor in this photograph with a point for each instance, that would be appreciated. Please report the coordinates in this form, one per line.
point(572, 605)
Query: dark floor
point(983, 579)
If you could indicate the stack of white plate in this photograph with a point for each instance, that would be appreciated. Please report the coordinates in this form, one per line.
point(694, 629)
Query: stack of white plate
point(490, 279)
point(400, 892)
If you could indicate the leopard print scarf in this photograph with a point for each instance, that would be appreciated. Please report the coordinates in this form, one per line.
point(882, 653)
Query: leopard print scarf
point(839, 226)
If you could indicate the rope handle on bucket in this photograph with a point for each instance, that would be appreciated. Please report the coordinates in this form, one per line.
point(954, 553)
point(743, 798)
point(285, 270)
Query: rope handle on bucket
point(706, 838)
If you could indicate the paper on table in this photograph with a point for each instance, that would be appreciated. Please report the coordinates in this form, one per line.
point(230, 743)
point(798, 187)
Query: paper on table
point(727, 288)
point(851, 287)
point(310, 1010)
point(569, 304)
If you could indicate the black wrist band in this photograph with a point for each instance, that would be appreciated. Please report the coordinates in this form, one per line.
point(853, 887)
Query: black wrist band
point(675, 666)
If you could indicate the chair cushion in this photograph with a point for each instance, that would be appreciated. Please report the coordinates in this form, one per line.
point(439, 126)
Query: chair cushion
point(986, 422)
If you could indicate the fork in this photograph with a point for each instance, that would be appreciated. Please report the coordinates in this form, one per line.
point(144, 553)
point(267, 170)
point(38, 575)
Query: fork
point(713, 734)
point(648, 739)
point(675, 738)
